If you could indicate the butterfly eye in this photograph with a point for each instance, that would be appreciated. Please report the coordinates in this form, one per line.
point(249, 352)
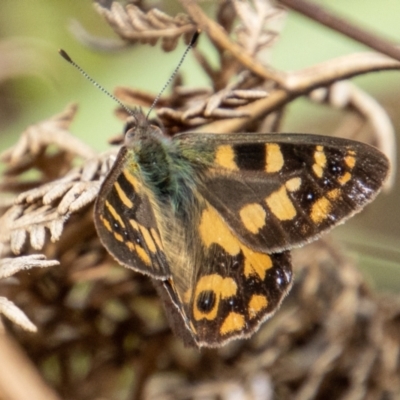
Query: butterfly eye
point(130, 125)
point(155, 130)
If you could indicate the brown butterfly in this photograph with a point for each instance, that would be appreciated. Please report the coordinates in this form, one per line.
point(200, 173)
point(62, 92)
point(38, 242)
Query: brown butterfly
point(213, 217)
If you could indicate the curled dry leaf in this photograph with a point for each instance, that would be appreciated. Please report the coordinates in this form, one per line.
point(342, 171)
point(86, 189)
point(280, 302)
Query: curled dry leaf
point(79, 196)
point(132, 24)
point(33, 223)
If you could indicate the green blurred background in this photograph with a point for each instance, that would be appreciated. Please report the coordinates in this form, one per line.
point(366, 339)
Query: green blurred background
point(40, 83)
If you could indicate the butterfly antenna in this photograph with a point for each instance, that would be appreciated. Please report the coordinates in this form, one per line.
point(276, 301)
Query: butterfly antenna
point(90, 79)
point(191, 44)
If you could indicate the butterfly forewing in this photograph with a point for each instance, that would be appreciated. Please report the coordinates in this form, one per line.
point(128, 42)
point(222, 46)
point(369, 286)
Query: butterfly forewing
point(125, 220)
point(281, 191)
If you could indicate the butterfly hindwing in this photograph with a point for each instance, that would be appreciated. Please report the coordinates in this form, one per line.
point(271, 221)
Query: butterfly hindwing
point(232, 303)
point(227, 290)
point(239, 287)
point(125, 220)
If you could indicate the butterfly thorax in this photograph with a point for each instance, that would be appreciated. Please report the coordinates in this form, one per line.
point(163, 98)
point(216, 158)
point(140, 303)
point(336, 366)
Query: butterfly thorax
point(165, 172)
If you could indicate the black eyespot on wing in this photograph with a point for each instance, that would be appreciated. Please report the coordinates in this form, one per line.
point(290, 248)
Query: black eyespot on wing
point(206, 301)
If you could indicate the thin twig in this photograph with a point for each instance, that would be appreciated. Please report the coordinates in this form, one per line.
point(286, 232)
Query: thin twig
point(340, 68)
point(339, 24)
point(221, 39)
point(301, 82)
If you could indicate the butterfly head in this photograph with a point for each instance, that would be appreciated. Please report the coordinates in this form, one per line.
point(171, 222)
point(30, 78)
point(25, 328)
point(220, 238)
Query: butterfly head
point(138, 129)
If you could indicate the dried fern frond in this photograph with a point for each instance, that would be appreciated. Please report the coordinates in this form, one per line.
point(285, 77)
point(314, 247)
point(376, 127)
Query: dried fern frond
point(133, 25)
point(95, 42)
point(243, 103)
point(188, 108)
point(38, 137)
point(9, 267)
point(60, 191)
point(9, 310)
point(48, 207)
point(45, 149)
point(261, 22)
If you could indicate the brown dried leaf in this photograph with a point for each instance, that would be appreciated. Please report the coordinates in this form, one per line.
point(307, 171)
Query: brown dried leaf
point(213, 107)
point(138, 97)
point(50, 191)
point(132, 24)
point(32, 223)
point(37, 235)
point(253, 94)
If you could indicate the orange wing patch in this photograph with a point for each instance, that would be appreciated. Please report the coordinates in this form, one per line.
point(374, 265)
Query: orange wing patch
point(132, 180)
point(350, 161)
point(122, 195)
point(320, 210)
point(344, 178)
point(233, 322)
point(275, 160)
point(225, 157)
point(257, 303)
point(293, 184)
point(114, 214)
point(214, 230)
point(320, 161)
point(280, 205)
point(256, 263)
point(253, 217)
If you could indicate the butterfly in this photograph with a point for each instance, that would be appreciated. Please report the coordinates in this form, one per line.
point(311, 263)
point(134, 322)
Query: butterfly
point(212, 217)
